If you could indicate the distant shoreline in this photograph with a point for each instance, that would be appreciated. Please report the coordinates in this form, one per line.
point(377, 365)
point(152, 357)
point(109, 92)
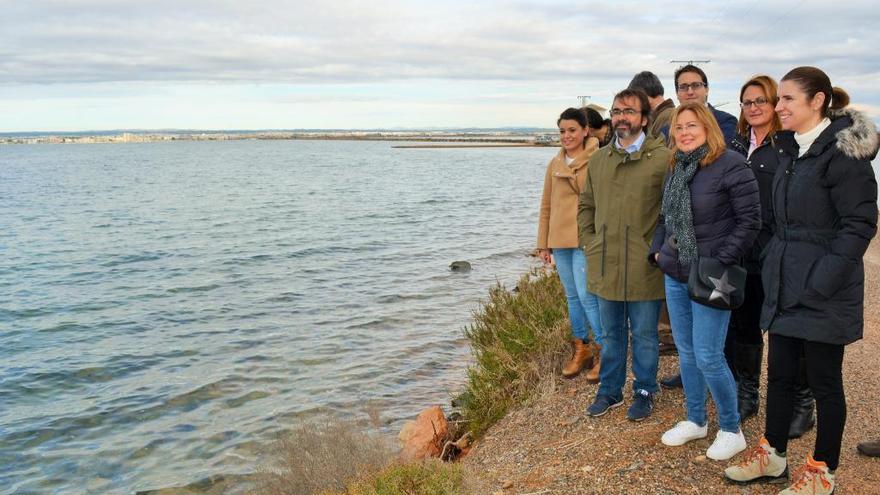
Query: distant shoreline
point(521, 138)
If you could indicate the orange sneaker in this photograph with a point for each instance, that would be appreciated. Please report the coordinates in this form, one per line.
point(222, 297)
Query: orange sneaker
point(758, 464)
point(812, 479)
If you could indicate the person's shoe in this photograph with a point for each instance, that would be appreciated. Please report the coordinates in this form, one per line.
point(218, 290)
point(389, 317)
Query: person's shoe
point(602, 405)
point(803, 418)
point(643, 404)
point(760, 463)
point(582, 357)
point(726, 445)
point(813, 479)
point(684, 432)
point(593, 373)
point(667, 349)
point(870, 448)
point(673, 381)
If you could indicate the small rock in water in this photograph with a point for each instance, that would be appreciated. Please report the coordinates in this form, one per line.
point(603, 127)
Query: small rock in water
point(460, 266)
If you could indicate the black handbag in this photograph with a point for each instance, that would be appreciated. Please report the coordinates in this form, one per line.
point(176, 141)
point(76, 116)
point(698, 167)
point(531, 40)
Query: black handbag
point(714, 284)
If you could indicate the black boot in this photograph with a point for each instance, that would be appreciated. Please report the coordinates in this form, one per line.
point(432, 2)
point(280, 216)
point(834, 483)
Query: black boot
point(803, 418)
point(748, 366)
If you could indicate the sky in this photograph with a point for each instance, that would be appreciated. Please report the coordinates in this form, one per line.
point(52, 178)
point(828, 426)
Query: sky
point(96, 64)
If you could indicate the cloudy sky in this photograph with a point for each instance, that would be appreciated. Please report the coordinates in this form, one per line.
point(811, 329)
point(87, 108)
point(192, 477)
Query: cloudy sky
point(98, 64)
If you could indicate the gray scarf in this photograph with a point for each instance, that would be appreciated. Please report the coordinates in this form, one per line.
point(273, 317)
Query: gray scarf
point(676, 206)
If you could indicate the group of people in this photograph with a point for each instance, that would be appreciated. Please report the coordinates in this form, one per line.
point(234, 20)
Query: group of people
point(632, 206)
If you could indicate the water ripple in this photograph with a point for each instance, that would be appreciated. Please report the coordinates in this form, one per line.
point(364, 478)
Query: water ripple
point(174, 306)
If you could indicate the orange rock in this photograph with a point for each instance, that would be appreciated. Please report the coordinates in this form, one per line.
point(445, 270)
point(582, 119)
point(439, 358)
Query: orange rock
point(424, 437)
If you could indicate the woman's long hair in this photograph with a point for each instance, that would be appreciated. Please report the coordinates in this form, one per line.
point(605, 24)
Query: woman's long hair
point(714, 137)
point(770, 88)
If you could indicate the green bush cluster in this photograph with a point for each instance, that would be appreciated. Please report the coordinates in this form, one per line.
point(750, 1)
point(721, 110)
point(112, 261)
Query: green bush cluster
point(518, 339)
point(422, 478)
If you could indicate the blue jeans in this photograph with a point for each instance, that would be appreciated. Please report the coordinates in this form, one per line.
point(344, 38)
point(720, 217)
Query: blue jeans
point(699, 332)
point(643, 317)
point(571, 265)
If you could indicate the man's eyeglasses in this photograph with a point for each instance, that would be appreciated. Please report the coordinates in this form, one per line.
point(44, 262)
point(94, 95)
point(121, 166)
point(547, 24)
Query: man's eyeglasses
point(685, 87)
point(629, 112)
point(758, 102)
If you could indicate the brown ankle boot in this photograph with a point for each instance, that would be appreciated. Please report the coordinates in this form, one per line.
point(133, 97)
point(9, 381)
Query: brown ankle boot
point(581, 358)
point(593, 374)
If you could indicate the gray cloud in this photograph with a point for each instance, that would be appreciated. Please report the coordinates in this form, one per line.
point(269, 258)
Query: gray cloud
point(315, 42)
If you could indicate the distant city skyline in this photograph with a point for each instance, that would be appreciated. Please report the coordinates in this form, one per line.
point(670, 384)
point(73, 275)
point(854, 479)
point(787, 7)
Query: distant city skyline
point(98, 65)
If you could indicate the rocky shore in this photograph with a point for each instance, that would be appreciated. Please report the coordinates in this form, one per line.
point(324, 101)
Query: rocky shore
point(549, 447)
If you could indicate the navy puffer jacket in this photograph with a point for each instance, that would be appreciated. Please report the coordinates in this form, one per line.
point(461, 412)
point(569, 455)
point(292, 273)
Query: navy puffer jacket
point(726, 211)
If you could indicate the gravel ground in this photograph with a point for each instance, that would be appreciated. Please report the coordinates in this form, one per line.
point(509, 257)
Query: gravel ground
point(551, 447)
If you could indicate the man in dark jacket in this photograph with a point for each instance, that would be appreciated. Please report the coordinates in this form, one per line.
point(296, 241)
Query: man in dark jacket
point(661, 108)
point(691, 84)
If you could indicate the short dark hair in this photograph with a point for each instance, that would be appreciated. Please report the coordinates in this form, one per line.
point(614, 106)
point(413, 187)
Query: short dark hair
point(573, 114)
point(637, 94)
point(594, 118)
point(691, 68)
point(812, 80)
point(648, 82)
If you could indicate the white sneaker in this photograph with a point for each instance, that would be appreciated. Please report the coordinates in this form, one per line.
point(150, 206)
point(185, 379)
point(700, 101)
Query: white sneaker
point(726, 445)
point(684, 432)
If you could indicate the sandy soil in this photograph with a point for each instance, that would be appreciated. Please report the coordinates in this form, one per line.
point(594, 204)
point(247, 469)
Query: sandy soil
point(551, 447)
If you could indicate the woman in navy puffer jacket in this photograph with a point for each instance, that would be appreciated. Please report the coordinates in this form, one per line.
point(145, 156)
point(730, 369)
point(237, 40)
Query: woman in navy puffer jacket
point(711, 208)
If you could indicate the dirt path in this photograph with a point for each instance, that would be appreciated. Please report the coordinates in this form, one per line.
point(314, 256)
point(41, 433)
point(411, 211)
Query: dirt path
point(550, 447)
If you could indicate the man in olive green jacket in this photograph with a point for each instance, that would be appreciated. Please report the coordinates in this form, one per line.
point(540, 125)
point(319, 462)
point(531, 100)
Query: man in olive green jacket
point(617, 215)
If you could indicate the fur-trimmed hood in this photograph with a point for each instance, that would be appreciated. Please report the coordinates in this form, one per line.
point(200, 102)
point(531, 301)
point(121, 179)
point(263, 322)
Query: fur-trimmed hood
point(858, 140)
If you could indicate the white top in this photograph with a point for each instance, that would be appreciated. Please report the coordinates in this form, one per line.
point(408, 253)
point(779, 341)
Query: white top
point(806, 139)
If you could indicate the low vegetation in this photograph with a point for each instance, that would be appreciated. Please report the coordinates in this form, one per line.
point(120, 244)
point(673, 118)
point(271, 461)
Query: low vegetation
point(518, 340)
point(344, 458)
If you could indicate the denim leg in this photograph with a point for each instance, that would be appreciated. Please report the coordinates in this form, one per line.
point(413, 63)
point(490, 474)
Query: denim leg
point(709, 335)
point(567, 275)
point(589, 301)
point(643, 318)
point(678, 303)
point(615, 341)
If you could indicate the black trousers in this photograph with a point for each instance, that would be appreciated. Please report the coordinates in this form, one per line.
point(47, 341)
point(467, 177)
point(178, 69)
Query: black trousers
point(824, 369)
point(745, 321)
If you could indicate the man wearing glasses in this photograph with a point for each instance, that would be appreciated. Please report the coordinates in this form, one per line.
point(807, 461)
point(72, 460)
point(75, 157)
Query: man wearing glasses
point(691, 85)
point(617, 215)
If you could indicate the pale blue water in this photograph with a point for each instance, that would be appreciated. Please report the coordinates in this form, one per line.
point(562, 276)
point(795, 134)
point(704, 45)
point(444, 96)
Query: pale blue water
point(167, 309)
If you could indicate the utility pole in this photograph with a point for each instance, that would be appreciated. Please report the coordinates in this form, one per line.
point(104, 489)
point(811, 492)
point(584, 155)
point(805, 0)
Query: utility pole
point(690, 62)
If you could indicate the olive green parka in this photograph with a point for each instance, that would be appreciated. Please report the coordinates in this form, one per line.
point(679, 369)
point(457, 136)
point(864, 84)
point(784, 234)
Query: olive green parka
point(617, 214)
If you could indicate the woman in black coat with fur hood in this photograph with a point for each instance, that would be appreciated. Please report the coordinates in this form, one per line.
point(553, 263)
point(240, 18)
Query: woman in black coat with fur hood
point(825, 210)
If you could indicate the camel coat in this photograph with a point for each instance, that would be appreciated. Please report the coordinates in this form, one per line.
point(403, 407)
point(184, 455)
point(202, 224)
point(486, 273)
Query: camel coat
point(557, 223)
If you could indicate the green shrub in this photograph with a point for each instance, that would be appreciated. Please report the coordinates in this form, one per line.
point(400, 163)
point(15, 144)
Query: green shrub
point(425, 478)
point(518, 339)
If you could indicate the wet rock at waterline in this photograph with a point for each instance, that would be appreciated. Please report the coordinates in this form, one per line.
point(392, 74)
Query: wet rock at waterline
point(460, 266)
point(425, 436)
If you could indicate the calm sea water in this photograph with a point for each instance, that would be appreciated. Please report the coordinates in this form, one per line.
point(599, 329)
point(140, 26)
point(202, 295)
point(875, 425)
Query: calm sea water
point(168, 309)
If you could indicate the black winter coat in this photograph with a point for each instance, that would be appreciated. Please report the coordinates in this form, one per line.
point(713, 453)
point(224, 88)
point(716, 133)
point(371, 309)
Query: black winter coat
point(726, 212)
point(825, 209)
point(763, 162)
